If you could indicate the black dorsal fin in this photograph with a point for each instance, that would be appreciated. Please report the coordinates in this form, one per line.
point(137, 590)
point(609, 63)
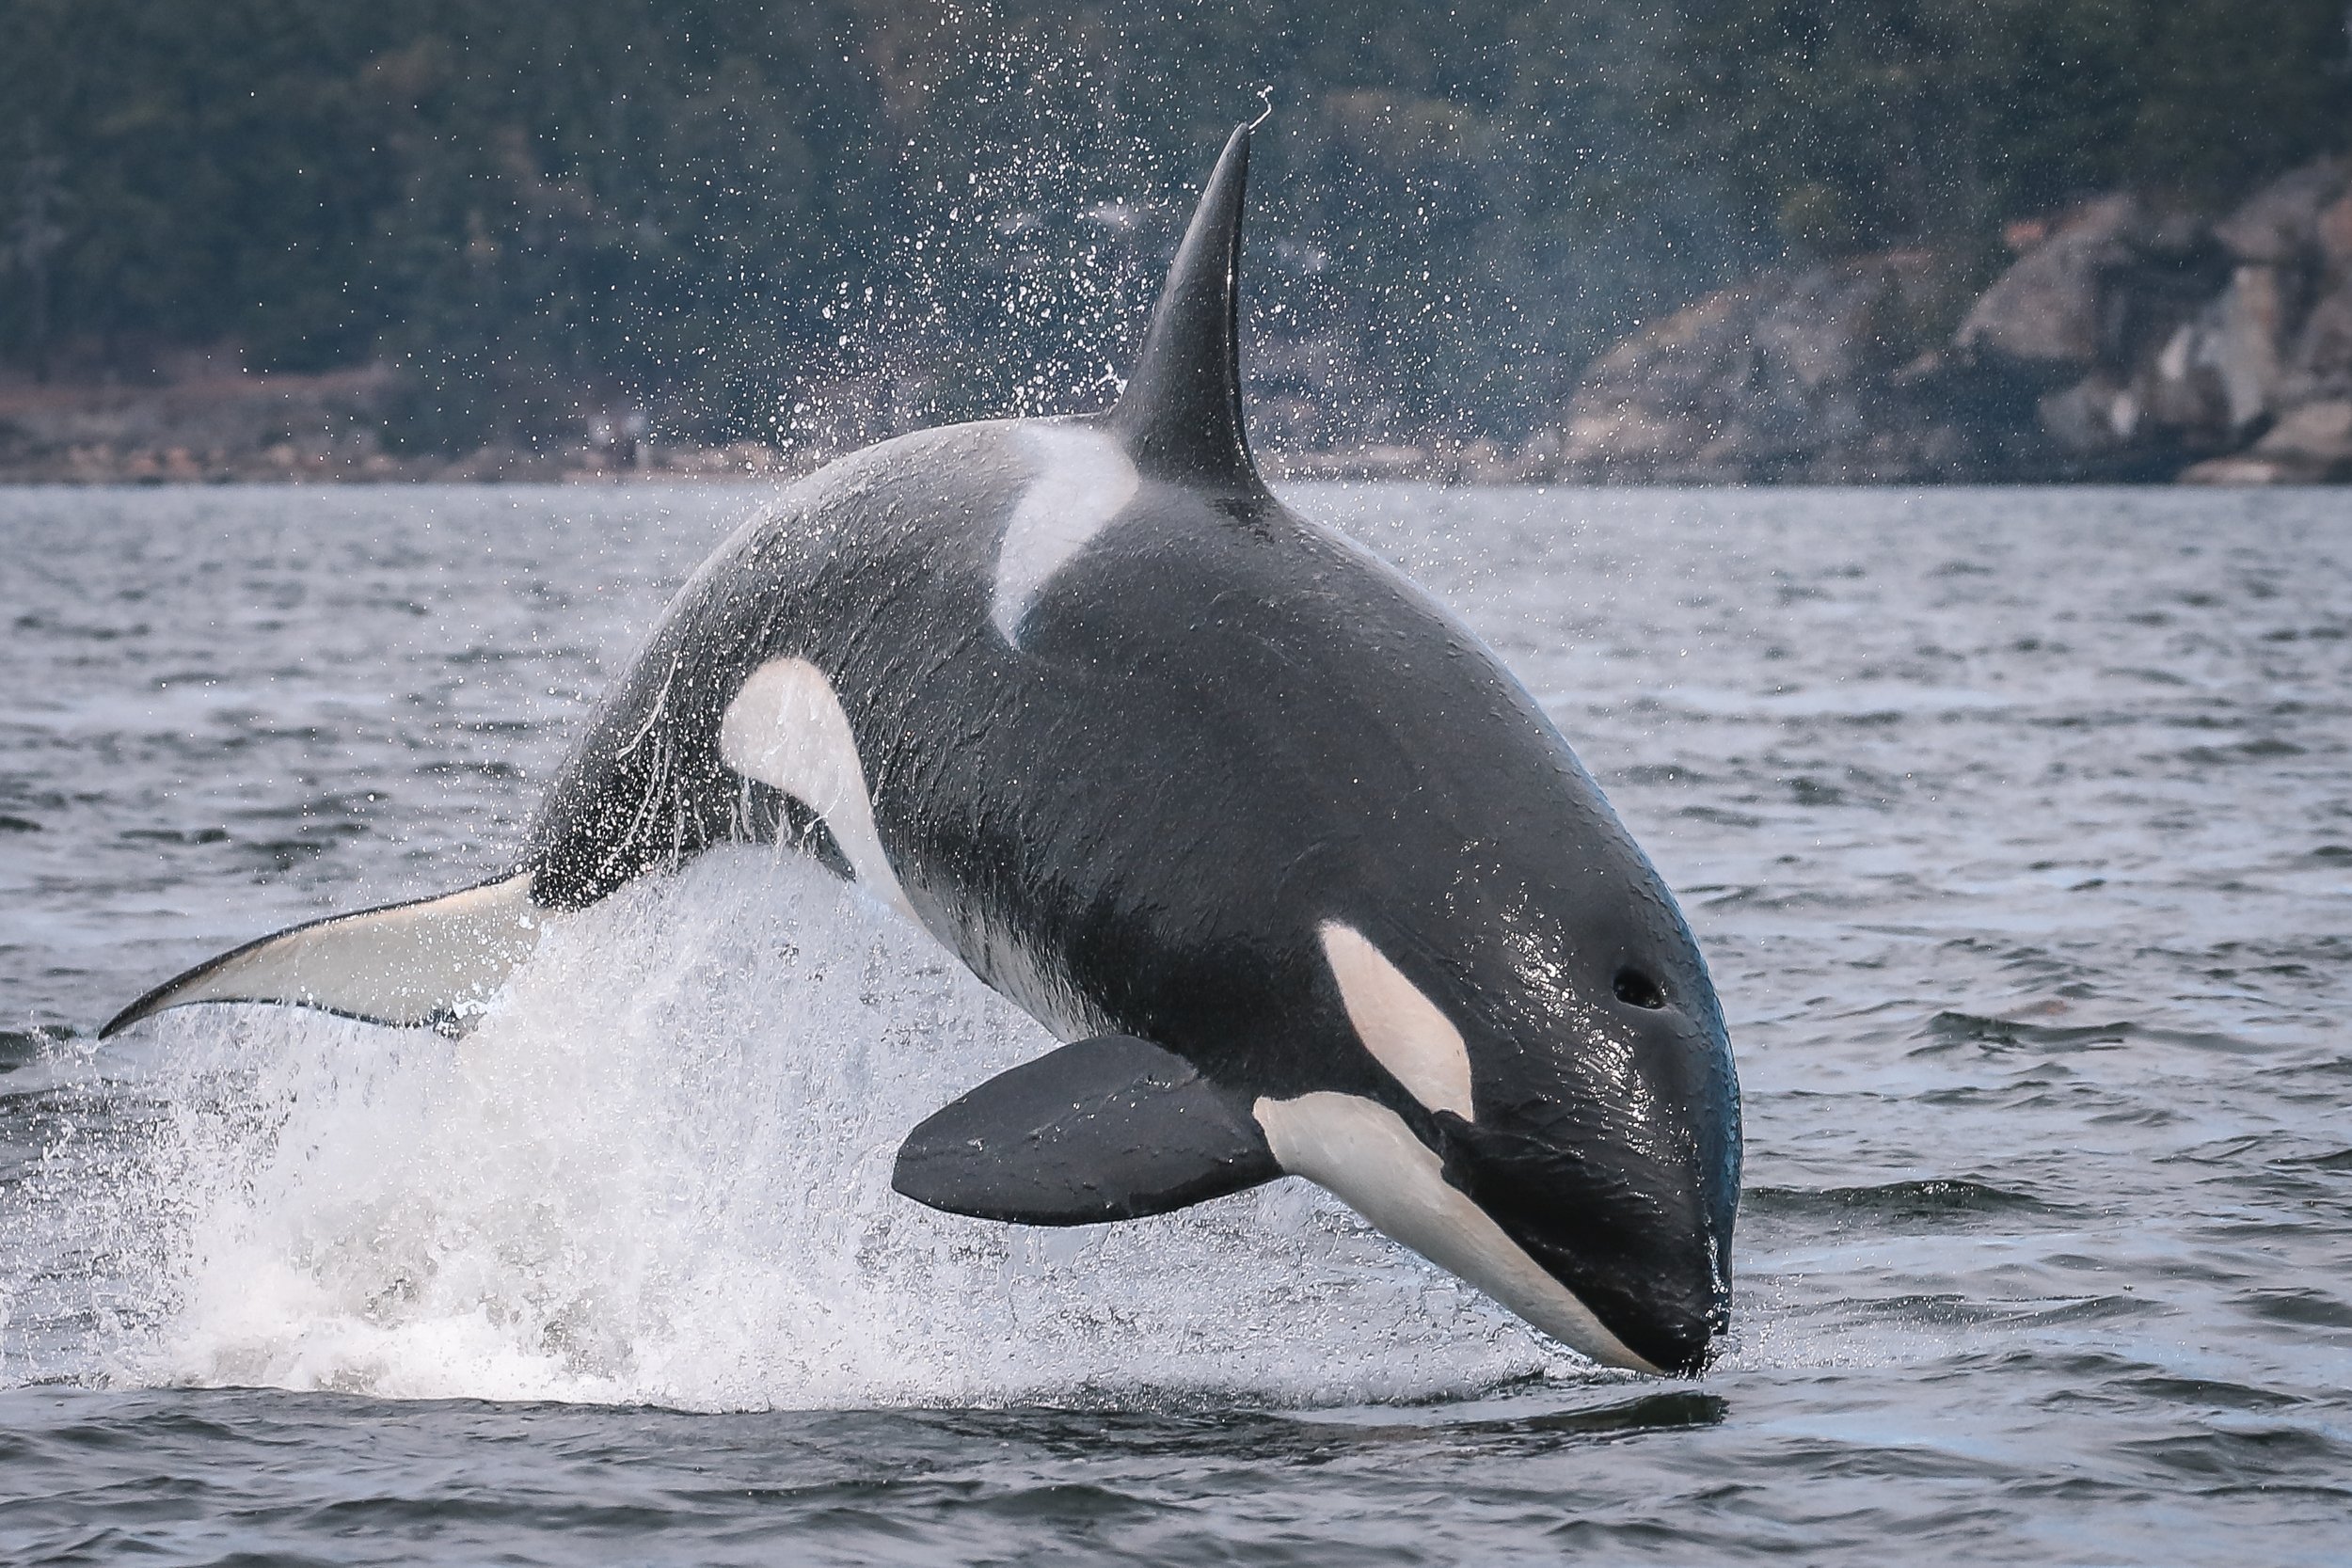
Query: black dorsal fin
point(1181, 413)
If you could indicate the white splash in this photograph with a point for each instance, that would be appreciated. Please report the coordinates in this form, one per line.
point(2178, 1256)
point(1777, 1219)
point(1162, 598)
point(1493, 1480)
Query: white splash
point(658, 1172)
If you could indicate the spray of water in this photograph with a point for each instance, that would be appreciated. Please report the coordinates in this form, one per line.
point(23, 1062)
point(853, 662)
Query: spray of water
point(658, 1172)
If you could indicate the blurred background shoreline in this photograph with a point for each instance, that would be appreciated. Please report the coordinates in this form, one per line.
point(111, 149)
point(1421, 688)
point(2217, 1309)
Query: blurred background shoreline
point(1709, 241)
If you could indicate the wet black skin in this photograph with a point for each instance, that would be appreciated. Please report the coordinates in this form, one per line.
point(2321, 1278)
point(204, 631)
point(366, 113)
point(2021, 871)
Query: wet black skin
point(1224, 726)
point(1220, 728)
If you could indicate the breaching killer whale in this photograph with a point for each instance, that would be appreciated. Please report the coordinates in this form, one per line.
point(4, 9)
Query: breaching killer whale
point(1308, 881)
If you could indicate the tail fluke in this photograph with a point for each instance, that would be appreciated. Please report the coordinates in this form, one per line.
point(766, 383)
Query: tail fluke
point(430, 962)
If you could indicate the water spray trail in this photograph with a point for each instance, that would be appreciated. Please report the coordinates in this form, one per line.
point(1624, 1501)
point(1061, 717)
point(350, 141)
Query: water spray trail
point(658, 1172)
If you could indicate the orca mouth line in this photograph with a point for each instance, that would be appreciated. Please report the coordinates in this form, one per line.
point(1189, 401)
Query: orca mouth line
point(1366, 1155)
point(1662, 1300)
point(1678, 1338)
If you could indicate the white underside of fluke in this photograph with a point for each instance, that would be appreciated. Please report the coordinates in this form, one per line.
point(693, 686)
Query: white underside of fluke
point(434, 961)
point(1364, 1154)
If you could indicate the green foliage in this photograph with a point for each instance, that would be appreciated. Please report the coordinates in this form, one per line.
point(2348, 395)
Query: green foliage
point(1858, 122)
point(827, 218)
point(2234, 92)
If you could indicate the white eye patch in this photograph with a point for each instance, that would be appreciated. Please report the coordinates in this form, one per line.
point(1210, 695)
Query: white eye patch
point(1403, 1030)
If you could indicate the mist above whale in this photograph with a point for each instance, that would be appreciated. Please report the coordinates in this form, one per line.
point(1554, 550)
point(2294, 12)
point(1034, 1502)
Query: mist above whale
point(1305, 878)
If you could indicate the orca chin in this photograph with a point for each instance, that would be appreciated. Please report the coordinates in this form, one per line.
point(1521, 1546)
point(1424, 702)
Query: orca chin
point(1668, 1311)
point(1619, 1234)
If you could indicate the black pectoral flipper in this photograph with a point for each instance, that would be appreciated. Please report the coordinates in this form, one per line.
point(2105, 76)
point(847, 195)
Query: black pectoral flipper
point(1112, 1127)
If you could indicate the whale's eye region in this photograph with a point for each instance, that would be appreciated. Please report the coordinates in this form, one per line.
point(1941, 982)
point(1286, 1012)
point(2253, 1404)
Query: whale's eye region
point(1638, 989)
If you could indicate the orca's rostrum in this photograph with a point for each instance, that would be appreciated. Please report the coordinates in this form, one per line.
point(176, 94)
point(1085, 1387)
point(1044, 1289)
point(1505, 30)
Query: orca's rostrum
point(1308, 880)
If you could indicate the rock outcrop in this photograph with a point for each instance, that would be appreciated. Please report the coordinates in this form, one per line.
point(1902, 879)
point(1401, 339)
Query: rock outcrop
point(2271, 356)
point(209, 421)
point(2126, 342)
point(1796, 375)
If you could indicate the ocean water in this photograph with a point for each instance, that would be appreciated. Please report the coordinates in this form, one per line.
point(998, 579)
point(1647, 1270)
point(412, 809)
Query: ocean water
point(2016, 826)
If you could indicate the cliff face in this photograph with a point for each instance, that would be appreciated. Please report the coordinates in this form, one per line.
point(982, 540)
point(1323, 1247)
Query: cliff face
point(1796, 375)
point(2126, 342)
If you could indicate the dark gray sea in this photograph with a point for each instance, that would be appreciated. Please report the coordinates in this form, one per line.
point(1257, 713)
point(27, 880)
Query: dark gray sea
point(2016, 826)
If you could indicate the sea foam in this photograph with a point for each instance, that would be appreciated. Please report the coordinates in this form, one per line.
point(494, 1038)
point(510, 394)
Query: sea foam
point(659, 1170)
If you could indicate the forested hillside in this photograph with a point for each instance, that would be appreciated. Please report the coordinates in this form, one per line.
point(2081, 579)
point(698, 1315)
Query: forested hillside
point(809, 221)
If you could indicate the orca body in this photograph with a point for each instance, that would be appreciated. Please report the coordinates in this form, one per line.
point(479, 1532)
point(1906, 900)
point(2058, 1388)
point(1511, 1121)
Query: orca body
point(1306, 879)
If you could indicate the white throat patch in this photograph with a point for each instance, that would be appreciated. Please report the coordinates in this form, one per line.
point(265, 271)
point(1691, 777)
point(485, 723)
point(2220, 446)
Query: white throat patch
point(1407, 1033)
point(1082, 481)
point(1365, 1155)
point(786, 728)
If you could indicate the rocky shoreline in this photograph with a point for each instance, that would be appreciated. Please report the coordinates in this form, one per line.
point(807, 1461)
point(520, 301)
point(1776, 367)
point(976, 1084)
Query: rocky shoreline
point(2127, 340)
point(203, 422)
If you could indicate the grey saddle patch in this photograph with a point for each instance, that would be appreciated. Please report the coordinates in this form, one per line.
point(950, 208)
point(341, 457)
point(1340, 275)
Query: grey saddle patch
point(1082, 481)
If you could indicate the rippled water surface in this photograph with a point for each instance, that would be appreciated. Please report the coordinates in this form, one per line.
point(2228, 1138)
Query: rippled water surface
point(2016, 826)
